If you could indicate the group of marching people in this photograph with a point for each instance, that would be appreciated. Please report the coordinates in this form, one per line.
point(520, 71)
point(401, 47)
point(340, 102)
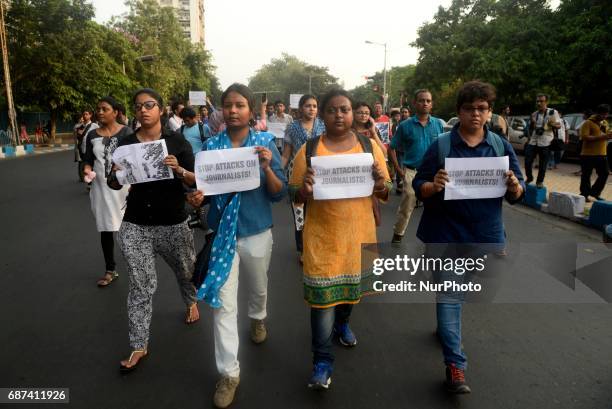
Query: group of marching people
point(155, 218)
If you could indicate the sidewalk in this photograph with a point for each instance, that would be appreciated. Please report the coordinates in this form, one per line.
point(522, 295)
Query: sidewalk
point(563, 179)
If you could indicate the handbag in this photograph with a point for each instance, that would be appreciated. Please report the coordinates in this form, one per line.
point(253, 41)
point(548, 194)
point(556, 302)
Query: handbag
point(557, 145)
point(203, 258)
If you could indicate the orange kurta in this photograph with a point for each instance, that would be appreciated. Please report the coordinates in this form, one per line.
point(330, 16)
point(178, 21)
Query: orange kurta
point(333, 233)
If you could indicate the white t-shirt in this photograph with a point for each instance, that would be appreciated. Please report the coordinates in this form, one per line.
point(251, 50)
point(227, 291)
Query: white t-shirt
point(175, 123)
point(542, 121)
point(92, 126)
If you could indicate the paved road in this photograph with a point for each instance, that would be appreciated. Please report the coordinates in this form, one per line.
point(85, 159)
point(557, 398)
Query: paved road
point(59, 329)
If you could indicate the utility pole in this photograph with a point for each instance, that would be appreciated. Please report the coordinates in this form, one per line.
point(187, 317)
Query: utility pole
point(7, 77)
point(384, 73)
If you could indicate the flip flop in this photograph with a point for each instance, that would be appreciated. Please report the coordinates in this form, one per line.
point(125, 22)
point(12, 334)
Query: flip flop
point(108, 278)
point(188, 315)
point(127, 369)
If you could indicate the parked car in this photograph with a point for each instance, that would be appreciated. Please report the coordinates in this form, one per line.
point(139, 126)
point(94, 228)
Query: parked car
point(450, 123)
point(518, 127)
point(574, 121)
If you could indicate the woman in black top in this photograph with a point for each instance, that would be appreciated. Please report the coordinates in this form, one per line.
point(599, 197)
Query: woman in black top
point(155, 222)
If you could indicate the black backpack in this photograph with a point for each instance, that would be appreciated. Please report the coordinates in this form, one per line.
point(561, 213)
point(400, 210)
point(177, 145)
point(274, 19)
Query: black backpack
point(311, 146)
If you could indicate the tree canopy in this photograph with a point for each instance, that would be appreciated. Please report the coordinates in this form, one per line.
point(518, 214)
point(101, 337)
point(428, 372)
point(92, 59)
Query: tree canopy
point(62, 61)
point(522, 47)
point(289, 75)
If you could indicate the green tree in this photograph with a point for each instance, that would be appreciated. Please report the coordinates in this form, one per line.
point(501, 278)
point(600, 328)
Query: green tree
point(177, 66)
point(289, 75)
point(372, 90)
point(586, 36)
point(511, 43)
point(62, 61)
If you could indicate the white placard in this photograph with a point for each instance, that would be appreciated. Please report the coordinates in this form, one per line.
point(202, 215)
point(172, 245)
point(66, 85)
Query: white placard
point(227, 170)
point(197, 97)
point(342, 176)
point(294, 100)
point(383, 128)
point(476, 178)
point(277, 129)
point(142, 162)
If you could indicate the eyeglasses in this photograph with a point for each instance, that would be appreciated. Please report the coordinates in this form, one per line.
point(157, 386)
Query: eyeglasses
point(480, 110)
point(149, 105)
point(362, 113)
point(343, 109)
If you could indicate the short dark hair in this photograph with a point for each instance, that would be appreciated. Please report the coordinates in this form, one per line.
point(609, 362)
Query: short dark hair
point(278, 101)
point(395, 111)
point(242, 90)
point(332, 93)
point(305, 98)
point(602, 109)
point(542, 95)
point(420, 91)
point(150, 92)
point(110, 101)
point(473, 90)
point(188, 112)
point(269, 104)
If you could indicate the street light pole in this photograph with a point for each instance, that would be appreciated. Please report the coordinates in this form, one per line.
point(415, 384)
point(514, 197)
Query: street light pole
point(384, 72)
point(7, 77)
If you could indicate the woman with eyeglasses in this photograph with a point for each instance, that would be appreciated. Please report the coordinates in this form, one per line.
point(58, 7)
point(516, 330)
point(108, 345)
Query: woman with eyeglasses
point(106, 204)
point(333, 233)
point(308, 126)
point(155, 223)
point(364, 124)
point(242, 246)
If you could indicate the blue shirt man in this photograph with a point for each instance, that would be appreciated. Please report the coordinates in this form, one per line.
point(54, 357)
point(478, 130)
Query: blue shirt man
point(412, 137)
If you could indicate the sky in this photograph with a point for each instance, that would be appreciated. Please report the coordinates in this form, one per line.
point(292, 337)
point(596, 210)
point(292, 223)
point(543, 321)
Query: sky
point(243, 35)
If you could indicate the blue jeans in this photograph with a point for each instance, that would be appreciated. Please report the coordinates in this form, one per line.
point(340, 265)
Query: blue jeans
point(449, 331)
point(322, 322)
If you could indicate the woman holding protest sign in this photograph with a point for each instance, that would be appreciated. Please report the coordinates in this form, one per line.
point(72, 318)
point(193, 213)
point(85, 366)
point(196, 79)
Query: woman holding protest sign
point(106, 204)
point(333, 233)
point(242, 222)
point(297, 133)
point(155, 223)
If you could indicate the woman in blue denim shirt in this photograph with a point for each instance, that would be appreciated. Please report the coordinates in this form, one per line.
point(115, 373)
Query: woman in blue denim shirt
point(243, 224)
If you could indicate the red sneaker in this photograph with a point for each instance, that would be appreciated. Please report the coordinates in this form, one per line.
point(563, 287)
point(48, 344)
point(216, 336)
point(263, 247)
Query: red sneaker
point(455, 380)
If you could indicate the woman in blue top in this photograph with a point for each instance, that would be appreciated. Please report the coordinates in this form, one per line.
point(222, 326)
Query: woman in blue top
point(297, 133)
point(243, 224)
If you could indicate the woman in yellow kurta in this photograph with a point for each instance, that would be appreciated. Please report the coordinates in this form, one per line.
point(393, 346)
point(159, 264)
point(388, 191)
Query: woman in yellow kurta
point(333, 233)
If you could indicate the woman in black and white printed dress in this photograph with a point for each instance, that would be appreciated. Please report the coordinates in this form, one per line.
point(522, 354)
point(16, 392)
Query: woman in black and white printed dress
point(106, 204)
point(155, 223)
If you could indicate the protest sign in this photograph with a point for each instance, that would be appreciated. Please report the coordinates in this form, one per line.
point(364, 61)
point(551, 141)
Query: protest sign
point(343, 176)
point(197, 97)
point(294, 100)
point(142, 162)
point(227, 170)
point(383, 128)
point(277, 129)
point(475, 178)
